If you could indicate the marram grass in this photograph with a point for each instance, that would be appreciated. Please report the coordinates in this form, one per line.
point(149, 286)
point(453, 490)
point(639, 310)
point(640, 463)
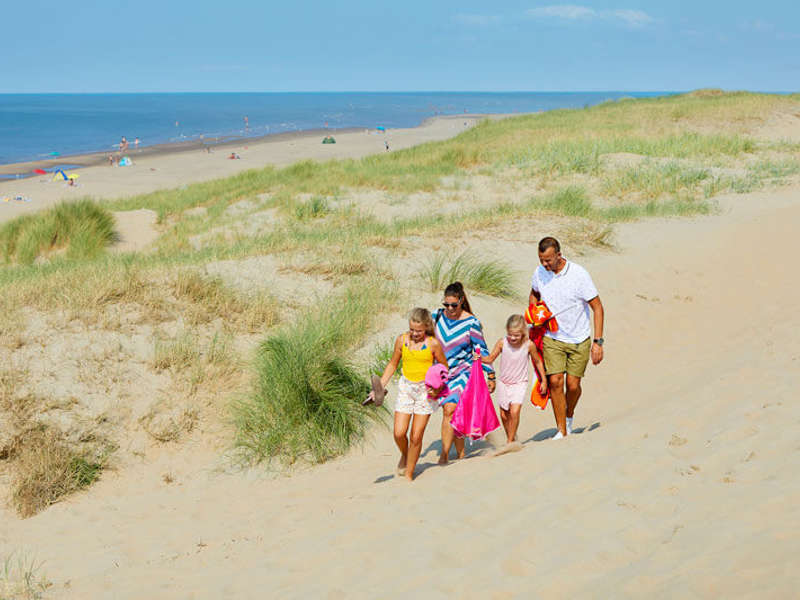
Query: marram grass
point(81, 229)
point(306, 402)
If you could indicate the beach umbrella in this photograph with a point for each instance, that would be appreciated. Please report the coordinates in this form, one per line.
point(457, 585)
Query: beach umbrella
point(73, 175)
point(40, 171)
point(54, 154)
point(381, 128)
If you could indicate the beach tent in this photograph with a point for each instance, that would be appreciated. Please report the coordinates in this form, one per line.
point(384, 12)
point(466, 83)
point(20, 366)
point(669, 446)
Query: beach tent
point(328, 140)
point(58, 174)
point(125, 162)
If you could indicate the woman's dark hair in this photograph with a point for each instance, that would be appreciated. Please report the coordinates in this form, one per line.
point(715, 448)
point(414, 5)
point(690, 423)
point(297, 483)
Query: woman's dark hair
point(456, 290)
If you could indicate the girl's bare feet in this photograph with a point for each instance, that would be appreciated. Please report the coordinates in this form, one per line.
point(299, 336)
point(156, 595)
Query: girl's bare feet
point(443, 459)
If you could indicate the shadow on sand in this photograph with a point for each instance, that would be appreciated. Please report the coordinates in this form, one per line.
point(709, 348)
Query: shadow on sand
point(546, 434)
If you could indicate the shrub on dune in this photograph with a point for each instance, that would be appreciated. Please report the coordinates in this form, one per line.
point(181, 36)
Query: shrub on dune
point(82, 229)
point(306, 404)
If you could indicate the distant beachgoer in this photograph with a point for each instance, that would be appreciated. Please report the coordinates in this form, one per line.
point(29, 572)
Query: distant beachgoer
point(136, 144)
point(418, 349)
point(515, 351)
point(123, 145)
point(110, 160)
point(386, 143)
point(246, 123)
point(569, 292)
point(234, 156)
point(460, 334)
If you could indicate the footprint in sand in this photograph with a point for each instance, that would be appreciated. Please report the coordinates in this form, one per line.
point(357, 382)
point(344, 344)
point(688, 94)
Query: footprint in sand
point(677, 440)
point(512, 447)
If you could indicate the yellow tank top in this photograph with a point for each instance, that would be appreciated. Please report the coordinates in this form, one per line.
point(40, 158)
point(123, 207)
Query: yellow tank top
point(416, 362)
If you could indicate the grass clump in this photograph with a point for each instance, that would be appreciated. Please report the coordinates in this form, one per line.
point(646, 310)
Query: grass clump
point(20, 578)
point(306, 404)
point(81, 229)
point(492, 277)
point(208, 298)
point(47, 469)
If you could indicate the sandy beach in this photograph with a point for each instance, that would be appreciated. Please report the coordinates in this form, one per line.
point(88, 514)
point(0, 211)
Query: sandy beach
point(680, 481)
point(172, 166)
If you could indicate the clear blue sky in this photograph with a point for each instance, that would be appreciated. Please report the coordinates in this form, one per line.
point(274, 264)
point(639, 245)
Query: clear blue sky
point(332, 45)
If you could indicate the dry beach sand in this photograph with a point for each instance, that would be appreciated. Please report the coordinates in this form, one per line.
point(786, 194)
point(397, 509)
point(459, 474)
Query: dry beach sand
point(680, 482)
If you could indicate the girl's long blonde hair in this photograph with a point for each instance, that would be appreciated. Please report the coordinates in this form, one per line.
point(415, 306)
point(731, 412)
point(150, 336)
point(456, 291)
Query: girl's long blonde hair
point(423, 317)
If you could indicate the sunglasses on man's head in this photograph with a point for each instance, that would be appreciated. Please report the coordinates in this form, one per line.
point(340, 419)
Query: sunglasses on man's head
point(450, 304)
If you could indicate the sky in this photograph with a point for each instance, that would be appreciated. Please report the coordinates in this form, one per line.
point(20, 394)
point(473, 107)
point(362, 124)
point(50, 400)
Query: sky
point(405, 45)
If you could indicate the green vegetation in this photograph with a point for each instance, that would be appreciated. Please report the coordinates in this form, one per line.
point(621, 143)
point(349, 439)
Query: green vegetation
point(47, 469)
point(82, 229)
point(20, 578)
point(307, 400)
point(574, 172)
point(487, 276)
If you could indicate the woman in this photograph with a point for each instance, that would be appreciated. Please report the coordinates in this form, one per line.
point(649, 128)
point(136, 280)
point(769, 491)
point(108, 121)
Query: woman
point(460, 333)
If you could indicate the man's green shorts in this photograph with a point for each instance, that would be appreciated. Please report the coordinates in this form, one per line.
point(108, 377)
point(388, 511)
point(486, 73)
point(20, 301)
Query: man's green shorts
point(560, 357)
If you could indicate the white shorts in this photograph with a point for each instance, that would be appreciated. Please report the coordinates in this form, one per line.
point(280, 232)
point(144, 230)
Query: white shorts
point(412, 398)
point(510, 393)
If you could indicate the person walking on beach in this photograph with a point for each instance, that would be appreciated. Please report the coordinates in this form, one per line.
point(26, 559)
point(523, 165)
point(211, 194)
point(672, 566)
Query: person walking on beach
point(569, 292)
point(460, 333)
point(418, 350)
point(515, 351)
point(123, 145)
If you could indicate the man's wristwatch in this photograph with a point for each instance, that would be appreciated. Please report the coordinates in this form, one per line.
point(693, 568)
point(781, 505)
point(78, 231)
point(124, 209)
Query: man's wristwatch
point(598, 341)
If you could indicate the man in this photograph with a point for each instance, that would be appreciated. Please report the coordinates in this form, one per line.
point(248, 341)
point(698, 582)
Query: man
point(569, 293)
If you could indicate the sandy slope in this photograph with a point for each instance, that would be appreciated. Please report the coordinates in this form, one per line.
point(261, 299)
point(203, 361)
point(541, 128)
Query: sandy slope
point(682, 483)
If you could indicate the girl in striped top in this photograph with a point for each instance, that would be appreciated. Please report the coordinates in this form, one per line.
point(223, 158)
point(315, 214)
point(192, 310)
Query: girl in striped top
point(459, 332)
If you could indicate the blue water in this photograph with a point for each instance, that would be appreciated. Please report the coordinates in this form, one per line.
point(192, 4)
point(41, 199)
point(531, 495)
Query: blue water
point(39, 126)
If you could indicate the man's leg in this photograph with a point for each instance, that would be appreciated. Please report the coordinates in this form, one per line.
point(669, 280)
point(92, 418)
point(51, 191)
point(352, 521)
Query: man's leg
point(573, 393)
point(558, 400)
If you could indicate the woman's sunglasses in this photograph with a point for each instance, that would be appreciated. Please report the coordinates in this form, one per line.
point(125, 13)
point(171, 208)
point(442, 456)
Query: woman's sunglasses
point(450, 304)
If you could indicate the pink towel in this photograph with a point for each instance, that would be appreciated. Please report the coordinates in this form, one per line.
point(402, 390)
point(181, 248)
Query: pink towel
point(474, 416)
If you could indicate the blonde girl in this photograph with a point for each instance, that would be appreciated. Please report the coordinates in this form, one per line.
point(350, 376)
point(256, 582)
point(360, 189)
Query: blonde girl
point(515, 351)
point(418, 349)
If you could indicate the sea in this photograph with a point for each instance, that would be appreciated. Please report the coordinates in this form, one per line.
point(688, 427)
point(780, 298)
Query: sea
point(45, 126)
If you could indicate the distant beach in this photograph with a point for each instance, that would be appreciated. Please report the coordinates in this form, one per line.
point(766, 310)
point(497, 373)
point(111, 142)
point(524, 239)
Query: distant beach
point(56, 128)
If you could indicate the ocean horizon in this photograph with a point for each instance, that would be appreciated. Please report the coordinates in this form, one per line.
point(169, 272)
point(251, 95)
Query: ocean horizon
point(45, 126)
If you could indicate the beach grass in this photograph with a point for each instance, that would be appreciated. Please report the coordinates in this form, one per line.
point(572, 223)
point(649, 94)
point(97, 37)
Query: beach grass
point(21, 577)
point(80, 230)
point(306, 404)
point(577, 172)
point(488, 276)
point(47, 468)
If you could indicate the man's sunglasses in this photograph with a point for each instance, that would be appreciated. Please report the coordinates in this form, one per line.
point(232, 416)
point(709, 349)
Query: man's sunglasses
point(450, 305)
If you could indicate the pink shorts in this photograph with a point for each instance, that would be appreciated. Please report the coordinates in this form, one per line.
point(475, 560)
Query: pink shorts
point(510, 393)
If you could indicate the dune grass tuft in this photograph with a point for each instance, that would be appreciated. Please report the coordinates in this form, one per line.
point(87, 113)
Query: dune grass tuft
point(488, 276)
point(81, 229)
point(307, 399)
point(21, 578)
point(47, 469)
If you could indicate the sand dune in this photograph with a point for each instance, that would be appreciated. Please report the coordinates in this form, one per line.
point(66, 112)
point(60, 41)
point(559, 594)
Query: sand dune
point(682, 480)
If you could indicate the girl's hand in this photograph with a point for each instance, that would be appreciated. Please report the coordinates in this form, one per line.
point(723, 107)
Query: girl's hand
point(492, 384)
point(543, 388)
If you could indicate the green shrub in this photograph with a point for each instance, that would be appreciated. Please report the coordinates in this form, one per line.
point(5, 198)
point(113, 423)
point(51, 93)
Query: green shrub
point(82, 228)
point(306, 404)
